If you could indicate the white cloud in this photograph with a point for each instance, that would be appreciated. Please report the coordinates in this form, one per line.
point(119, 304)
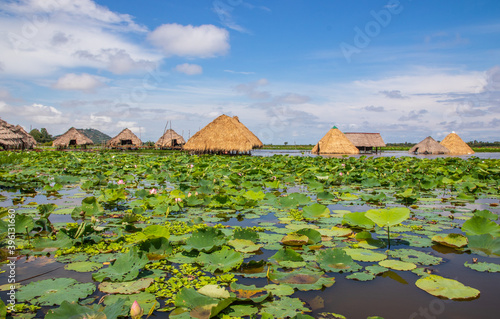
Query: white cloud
point(44, 114)
point(189, 69)
point(78, 82)
point(205, 41)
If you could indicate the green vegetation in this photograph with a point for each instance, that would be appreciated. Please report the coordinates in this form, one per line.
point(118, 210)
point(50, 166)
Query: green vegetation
point(96, 136)
point(41, 136)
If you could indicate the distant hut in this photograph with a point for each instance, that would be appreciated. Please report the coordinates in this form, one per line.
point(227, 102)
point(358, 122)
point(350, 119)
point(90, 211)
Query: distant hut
point(225, 134)
point(9, 139)
point(366, 142)
point(72, 138)
point(456, 145)
point(28, 140)
point(335, 142)
point(429, 146)
point(170, 139)
point(125, 139)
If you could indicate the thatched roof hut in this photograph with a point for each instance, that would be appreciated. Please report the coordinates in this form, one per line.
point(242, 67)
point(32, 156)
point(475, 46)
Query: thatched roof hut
point(9, 139)
point(72, 138)
point(456, 145)
point(429, 146)
point(170, 139)
point(125, 139)
point(224, 134)
point(335, 142)
point(28, 140)
point(366, 141)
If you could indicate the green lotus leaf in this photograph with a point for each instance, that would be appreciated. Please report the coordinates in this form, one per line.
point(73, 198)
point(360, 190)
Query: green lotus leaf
point(214, 291)
point(284, 307)
point(159, 246)
point(451, 240)
point(252, 293)
point(358, 219)
point(280, 290)
point(205, 239)
point(236, 311)
point(146, 301)
point(478, 225)
point(125, 288)
point(91, 206)
point(484, 245)
point(199, 305)
point(83, 266)
point(325, 196)
point(339, 232)
point(223, 260)
point(313, 235)
point(376, 269)
point(371, 243)
point(486, 214)
point(51, 292)
point(360, 254)
point(315, 211)
point(286, 254)
point(348, 196)
point(295, 239)
point(156, 231)
point(244, 245)
point(397, 264)
point(388, 217)
point(302, 279)
point(3, 309)
point(72, 258)
point(361, 276)
point(446, 288)
point(62, 241)
point(254, 195)
point(23, 223)
point(336, 260)
point(415, 256)
point(184, 257)
point(246, 233)
point(483, 267)
point(125, 268)
point(75, 311)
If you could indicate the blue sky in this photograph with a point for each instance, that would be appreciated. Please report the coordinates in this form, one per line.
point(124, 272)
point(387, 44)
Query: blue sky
point(288, 69)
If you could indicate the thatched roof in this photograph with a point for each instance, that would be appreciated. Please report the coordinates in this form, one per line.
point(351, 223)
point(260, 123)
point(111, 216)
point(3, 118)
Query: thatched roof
point(429, 146)
point(72, 137)
point(335, 142)
point(125, 138)
point(29, 141)
point(224, 134)
point(9, 139)
point(456, 145)
point(365, 139)
point(169, 139)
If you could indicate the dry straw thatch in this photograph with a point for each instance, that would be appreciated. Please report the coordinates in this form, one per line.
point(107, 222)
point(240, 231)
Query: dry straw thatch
point(365, 139)
point(170, 139)
point(224, 134)
point(429, 146)
point(335, 142)
point(72, 138)
point(15, 137)
point(125, 139)
point(29, 141)
point(456, 145)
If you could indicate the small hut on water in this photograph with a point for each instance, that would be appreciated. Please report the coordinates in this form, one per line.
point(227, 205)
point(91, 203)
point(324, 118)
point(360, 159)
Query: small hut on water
point(456, 145)
point(429, 146)
point(335, 142)
point(170, 139)
point(366, 142)
point(9, 139)
point(72, 138)
point(126, 139)
point(224, 135)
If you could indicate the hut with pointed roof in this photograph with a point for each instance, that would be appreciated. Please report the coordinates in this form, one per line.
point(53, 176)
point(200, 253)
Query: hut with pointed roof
point(170, 139)
point(429, 146)
point(366, 142)
point(72, 137)
point(28, 140)
point(223, 135)
point(9, 139)
point(126, 139)
point(456, 145)
point(335, 142)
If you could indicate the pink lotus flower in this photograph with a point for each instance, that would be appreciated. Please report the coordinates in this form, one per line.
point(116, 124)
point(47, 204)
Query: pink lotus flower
point(343, 165)
point(135, 166)
point(340, 174)
point(177, 200)
point(121, 182)
point(407, 170)
point(192, 165)
point(189, 194)
point(136, 311)
point(153, 191)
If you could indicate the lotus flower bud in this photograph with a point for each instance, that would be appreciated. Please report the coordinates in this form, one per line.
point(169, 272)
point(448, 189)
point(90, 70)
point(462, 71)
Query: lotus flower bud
point(136, 311)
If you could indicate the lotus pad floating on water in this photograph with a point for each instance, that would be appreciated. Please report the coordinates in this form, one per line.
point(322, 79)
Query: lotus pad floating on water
point(302, 279)
point(364, 254)
point(484, 267)
point(447, 288)
point(397, 264)
point(452, 240)
point(54, 291)
point(336, 260)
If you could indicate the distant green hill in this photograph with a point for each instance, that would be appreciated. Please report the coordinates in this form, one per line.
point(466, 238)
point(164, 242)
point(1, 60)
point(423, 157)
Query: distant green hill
point(95, 135)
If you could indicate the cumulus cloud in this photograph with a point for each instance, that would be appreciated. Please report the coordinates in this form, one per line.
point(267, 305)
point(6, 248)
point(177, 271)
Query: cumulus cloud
point(414, 115)
point(371, 108)
point(250, 89)
point(189, 69)
point(395, 94)
point(78, 82)
point(44, 114)
point(205, 41)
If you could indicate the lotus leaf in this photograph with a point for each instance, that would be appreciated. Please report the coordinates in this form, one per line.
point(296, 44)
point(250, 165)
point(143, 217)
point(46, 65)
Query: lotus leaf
point(336, 260)
point(199, 305)
point(83, 266)
point(485, 245)
point(205, 239)
point(397, 264)
point(478, 225)
point(283, 308)
point(75, 311)
point(125, 288)
point(246, 233)
point(482, 266)
point(447, 288)
point(315, 211)
point(244, 245)
point(280, 290)
point(358, 219)
point(54, 291)
point(23, 223)
point(364, 254)
point(223, 260)
point(246, 293)
point(235, 311)
point(339, 232)
point(388, 217)
point(302, 279)
point(361, 276)
point(415, 256)
point(125, 268)
point(295, 239)
point(486, 214)
point(313, 235)
point(452, 240)
point(156, 231)
point(286, 254)
point(146, 301)
point(376, 269)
